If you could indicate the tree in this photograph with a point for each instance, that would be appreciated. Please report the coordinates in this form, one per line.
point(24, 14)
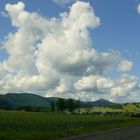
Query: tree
point(78, 105)
point(61, 105)
point(52, 106)
point(70, 105)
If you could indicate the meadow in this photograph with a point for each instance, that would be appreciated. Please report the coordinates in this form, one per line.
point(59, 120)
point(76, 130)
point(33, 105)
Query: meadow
point(20, 125)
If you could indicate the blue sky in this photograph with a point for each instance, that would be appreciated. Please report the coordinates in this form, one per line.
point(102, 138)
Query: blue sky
point(119, 31)
point(119, 28)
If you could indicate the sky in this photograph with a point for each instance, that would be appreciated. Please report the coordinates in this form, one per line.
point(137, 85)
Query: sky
point(73, 49)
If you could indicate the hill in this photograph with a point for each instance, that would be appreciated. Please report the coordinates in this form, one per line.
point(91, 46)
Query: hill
point(24, 99)
point(27, 99)
point(101, 102)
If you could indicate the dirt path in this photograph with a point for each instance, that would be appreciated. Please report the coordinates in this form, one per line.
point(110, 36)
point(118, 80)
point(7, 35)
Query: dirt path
point(131, 133)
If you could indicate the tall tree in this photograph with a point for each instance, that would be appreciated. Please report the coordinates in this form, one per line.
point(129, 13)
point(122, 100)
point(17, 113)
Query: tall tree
point(70, 105)
point(61, 105)
point(52, 106)
point(78, 105)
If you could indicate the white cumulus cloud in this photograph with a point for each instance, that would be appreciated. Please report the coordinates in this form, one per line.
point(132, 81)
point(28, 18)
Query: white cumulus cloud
point(138, 8)
point(125, 66)
point(91, 83)
point(55, 57)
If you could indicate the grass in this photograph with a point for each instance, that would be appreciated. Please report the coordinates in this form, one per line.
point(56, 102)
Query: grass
point(126, 108)
point(43, 126)
point(131, 108)
point(101, 109)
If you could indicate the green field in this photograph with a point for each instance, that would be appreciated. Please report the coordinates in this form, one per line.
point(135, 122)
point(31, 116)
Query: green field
point(129, 108)
point(43, 126)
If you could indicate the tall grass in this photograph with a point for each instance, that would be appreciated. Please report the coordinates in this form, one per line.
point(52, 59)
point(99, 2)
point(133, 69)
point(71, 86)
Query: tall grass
point(43, 126)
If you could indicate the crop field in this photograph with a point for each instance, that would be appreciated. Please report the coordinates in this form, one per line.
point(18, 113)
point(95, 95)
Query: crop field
point(43, 126)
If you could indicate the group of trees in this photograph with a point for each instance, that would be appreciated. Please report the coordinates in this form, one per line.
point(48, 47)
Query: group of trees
point(63, 104)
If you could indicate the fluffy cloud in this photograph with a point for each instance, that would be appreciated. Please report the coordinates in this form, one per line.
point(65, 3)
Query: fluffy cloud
point(125, 66)
point(55, 57)
point(138, 8)
point(124, 88)
point(114, 90)
point(91, 83)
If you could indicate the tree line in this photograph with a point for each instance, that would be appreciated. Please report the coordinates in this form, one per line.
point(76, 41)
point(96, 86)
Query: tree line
point(62, 104)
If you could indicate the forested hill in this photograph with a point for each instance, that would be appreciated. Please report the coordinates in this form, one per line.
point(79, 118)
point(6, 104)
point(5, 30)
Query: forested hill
point(27, 99)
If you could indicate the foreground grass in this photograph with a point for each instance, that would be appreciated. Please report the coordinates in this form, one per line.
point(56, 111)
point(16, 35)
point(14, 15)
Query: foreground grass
point(43, 126)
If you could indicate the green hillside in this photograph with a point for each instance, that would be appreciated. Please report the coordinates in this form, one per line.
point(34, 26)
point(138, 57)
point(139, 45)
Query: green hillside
point(14, 100)
point(24, 99)
point(101, 102)
point(27, 99)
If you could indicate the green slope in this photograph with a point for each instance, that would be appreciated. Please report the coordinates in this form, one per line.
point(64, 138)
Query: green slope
point(4, 103)
point(24, 99)
point(27, 99)
point(101, 102)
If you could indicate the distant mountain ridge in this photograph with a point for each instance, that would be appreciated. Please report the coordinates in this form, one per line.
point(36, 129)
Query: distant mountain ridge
point(101, 102)
point(27, 99)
